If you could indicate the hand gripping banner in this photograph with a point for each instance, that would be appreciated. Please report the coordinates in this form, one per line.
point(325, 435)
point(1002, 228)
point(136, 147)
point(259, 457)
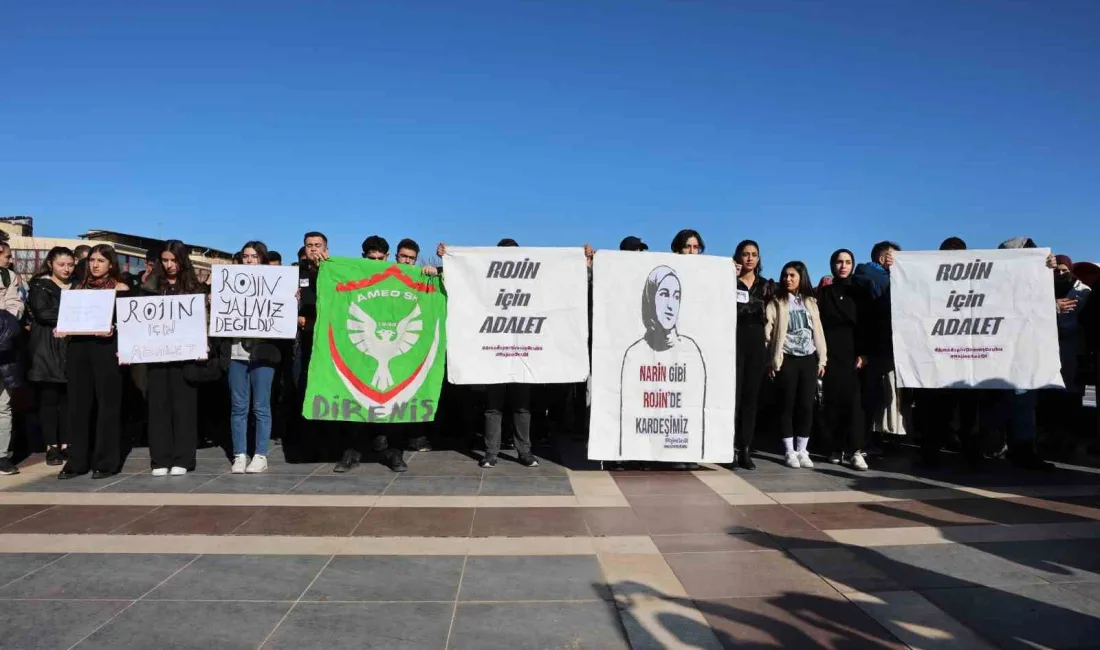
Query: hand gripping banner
point(379, 344)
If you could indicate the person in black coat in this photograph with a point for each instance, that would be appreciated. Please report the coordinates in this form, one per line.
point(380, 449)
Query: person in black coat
point(173, 399)
point(48, 352)
point(95, 382)
point(843, 406)
point(753, 294)
point(11, 382)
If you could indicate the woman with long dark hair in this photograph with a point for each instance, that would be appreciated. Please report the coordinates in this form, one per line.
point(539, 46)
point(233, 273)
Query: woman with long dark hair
point(173, 401)
point(753, 293)
point(688, 242)
point(838, 303)
point(796, 358)
point(95, 382)
point(252, 364)
point(48, 351)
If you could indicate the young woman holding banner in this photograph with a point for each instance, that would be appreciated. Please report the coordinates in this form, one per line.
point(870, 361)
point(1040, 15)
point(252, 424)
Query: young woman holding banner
point(838, 303)
point(796, 358)
point(95, 382)
point(47, 351)
point(173, 401)
point(252, 364)
point(686, 242)
point(753, 294)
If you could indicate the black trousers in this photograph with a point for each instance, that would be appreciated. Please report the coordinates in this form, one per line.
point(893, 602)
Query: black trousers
point(518, 398)
point(374, 437)
point(95, 383)
point(53, 412)
point(797, 384)
point(937, 410)
point(752, 359)
point(173, 417)
point(843, 397)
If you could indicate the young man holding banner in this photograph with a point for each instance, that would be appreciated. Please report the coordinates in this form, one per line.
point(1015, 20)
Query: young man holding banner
point(979, 319)
point(380, 345)
point(518, 317)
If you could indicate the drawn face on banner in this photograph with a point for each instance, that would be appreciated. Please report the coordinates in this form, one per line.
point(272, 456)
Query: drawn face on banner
point(661, 302)
point(668, 302)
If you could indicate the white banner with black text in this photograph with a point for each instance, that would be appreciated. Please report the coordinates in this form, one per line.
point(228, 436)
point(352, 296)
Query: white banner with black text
point(516, 315)
point(974, 319)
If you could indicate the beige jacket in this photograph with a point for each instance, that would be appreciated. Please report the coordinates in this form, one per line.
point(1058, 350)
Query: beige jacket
point(11, 296)
point(775, 330)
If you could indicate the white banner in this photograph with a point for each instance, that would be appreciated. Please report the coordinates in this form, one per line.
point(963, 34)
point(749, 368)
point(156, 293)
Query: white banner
point(663, 357)
point(159, 329)
point(516, 315)
point(974, 319)
point(86, 311)
point(254, 302)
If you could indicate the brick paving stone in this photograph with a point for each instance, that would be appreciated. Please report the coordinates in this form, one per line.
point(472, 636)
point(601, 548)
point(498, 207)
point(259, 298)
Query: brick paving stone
point(369, 626)
point(744, 575)
point(416, 522)
point(190, 520)
point(529, 522)
point(795, 620)
point(11, 513)
point(537, 626)
point(312, 521)
point(72, 520)
point(83, 576)
point(363, 578)
point(509, 578)
point(189, 626)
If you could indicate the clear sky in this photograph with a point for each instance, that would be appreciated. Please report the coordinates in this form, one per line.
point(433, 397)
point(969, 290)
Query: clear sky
point(804, 125)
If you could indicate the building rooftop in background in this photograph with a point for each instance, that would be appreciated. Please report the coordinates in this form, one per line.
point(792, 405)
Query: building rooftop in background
point(29, 251)
point(140, 241)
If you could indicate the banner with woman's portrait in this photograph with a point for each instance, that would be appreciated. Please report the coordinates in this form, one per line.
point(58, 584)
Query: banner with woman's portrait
point(663, 357)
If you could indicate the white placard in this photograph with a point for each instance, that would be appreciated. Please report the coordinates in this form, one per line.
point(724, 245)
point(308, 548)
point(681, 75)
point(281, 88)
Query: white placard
point(86, 311)
point(516, 315)
point(159, 329)
point(974, 319)
point(253, 302)
point(663, 357)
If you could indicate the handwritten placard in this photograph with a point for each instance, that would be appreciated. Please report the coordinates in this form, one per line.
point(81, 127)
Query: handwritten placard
point(255, 302)
point(160, 329)
point(86, 311)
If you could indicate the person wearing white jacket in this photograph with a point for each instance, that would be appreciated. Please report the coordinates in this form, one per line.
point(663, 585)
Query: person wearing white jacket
point(797, 355)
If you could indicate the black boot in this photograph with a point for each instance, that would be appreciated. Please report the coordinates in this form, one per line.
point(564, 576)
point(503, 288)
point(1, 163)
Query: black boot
point(348, 462)
point(395, 460)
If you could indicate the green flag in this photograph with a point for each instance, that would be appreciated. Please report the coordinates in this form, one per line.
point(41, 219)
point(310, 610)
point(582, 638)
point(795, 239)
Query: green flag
point(379, 344)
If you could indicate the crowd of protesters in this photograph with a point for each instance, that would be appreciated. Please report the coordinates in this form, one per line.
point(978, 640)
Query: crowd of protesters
point(812, 363)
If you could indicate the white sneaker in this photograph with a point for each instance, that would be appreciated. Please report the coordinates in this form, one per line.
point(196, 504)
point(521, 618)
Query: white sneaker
point(792, 460)
point(178, 471)
point(240, 462)
point(160, 471)
point(836, 458)
point(859, 462)
point(804, 460)
point(258, 464)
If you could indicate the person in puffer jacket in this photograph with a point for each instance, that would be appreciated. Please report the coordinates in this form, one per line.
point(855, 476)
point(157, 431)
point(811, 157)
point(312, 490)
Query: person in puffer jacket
point(12, 384)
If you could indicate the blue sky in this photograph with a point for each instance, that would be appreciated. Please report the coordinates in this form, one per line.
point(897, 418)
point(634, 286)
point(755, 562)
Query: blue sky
point(804, 125)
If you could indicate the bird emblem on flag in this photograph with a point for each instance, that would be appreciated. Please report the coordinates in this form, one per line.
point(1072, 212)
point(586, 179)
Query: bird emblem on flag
point(383, 342)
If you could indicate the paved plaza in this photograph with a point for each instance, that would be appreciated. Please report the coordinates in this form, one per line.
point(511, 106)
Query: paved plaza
point(449, 556)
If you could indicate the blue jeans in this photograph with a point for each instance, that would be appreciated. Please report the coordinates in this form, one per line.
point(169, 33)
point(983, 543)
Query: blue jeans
point(247, 381)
